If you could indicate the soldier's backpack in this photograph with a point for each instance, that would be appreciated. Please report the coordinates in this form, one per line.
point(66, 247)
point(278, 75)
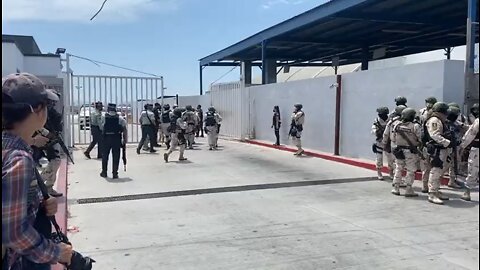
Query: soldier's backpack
point(210, 120)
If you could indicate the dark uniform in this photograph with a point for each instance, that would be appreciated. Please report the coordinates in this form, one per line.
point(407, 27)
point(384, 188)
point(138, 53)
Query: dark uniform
point(113, 126)
point(200, 122)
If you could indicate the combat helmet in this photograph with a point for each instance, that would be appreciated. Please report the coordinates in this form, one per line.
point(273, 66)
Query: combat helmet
point(440, 107)
point(401, 100)
point(399, 109)
point(383, 110)
point(408, 114)
point(431, 100)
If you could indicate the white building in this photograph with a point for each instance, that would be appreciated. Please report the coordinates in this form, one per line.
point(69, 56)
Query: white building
point(22, 54)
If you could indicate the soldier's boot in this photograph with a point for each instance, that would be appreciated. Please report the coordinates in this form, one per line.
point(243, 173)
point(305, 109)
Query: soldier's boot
point(103, 174)
point(167, 143)
point(402, 184)
point(425, 187)
point(466, 196)
point(87, 155)
point(182, 158)
point(433, 198)
point(396, 190)
point(165, 157)
point(115, 176)
point(442, 197)
point(409, 192)
point(453, 184)
point(379, 174)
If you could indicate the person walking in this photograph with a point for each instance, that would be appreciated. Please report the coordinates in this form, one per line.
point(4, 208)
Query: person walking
point(212, 120)
point(276, 123)
point(177, 129)
point(114, 128)
point(148, 128)
point(199, 113)
point(97, 137)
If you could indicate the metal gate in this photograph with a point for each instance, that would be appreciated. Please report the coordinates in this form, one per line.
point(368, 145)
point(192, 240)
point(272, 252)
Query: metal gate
point(129, 93)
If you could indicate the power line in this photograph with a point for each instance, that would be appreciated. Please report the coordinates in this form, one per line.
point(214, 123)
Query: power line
point(96, 62)
point(103, 4)
point(221, 77)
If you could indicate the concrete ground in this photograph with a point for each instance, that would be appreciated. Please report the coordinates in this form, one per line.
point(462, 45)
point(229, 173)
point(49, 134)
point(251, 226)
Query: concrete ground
point(248, 207)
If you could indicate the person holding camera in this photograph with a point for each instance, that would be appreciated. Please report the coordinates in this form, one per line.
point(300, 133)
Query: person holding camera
point(24, 111)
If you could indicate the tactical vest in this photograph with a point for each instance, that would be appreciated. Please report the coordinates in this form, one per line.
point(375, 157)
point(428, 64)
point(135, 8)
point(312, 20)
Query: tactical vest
point(426, 138)
point(112, 125)
point(166, 117)
point(408, 130)
point(210, 120)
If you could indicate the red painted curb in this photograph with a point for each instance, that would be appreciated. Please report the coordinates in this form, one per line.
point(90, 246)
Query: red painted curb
point(340, 159)
point(62, 210)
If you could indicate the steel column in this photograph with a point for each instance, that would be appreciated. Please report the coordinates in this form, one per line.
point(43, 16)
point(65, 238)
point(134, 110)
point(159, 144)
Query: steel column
point(365, 57)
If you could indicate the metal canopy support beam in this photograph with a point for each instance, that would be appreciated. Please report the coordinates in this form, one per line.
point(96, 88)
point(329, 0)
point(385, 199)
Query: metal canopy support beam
point(448, 53)
point(246, 73)
point(201, 80)
point(365, 57)
point(231, 64)
point(472, 24)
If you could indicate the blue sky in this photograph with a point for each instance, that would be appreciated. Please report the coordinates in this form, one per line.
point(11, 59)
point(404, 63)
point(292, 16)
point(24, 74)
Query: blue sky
point(165, 37)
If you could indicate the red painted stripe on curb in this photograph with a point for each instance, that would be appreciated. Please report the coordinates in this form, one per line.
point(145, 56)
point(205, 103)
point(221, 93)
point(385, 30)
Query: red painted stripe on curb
point(61, 215)
point(340, 159)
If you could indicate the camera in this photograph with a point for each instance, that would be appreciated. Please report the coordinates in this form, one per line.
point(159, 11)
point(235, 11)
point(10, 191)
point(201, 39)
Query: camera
point(78, 261)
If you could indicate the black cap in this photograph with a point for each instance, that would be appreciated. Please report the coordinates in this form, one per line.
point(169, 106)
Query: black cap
point(25, 88)
point(112, 107)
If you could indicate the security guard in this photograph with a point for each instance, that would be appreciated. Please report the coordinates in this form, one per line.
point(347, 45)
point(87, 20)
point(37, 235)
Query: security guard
point(471, 140)
point(212, 120)
point(191, 120)
point(148, 128)
point(296, 128)
point(97, 137)
point(439, 148)
point(113, 127)
point(177, 129)
point(406, 137)
point(378, 128)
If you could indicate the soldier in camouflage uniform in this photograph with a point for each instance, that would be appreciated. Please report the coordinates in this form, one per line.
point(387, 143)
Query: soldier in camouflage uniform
point(378, 128)
point(471, 139)
point(406, 137)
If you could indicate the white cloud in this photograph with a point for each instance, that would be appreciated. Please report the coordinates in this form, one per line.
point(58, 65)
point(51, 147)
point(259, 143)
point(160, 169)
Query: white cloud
point(271, 3)
point(82, 10)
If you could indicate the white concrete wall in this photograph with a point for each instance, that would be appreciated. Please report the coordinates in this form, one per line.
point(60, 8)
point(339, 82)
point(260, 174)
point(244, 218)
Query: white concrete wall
point(318, 99)
point(454, 81)
point(12, 58)
point(363, 92)
point(203, 100)
point(43, 65)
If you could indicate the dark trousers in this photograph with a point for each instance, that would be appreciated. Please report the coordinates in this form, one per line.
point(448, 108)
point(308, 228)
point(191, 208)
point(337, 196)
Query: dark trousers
point(150, 132)
point(113, 143)
point(97, 140)
point(277, 135)
point(199, 129)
